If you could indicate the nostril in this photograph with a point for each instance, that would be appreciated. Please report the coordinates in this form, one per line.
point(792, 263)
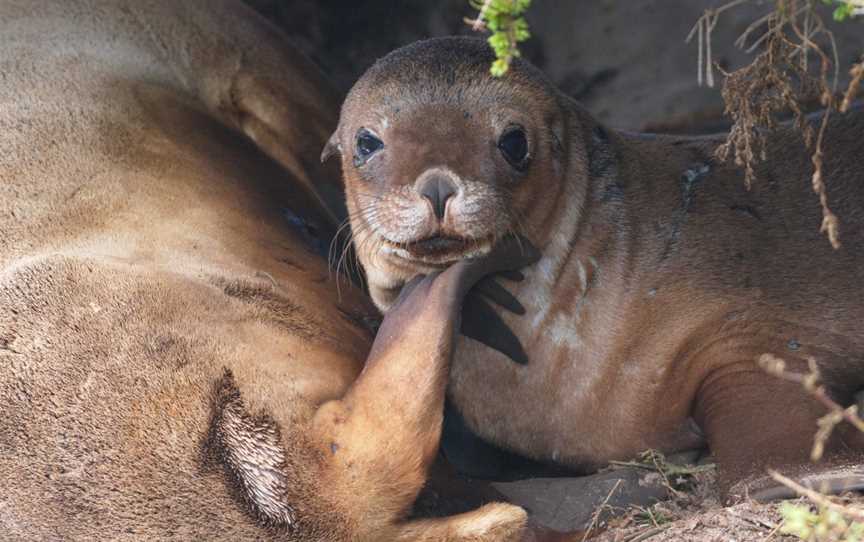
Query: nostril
point(438, 190)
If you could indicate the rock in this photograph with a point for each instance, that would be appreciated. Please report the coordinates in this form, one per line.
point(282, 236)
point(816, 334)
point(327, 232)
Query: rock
point(569, 504)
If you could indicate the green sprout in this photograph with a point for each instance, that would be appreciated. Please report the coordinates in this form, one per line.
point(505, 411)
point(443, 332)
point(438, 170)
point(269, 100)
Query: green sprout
point(824, 525)
point(846, 9)
point(504, 18)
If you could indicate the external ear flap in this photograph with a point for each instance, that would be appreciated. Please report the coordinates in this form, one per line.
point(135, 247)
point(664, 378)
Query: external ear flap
point(332, 147)
point(250, 449)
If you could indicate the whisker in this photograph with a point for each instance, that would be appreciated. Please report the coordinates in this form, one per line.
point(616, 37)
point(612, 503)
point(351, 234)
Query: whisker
point(334, 242)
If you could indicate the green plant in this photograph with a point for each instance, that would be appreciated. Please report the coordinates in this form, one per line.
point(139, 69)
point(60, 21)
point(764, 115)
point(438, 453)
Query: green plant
point(652, 516)
point(504, 18)
point(822, 525)
point(844, 9)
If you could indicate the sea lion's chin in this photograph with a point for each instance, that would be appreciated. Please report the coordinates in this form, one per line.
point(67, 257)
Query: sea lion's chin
point(437, 251)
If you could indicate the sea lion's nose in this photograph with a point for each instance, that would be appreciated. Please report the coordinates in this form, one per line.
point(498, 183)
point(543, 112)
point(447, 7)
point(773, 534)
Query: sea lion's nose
point(438, 189)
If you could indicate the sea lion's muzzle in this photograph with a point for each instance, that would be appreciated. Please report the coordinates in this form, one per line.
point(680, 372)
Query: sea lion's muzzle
point(443, 233)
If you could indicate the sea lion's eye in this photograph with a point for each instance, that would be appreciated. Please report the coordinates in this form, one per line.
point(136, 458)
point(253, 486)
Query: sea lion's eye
point(367, 145)
point(513, 144)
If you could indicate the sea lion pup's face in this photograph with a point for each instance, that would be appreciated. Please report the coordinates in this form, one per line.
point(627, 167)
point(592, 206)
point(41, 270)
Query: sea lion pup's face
point(441, 160)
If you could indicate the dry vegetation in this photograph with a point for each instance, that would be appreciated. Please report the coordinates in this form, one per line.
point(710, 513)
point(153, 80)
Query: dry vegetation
point(832, 520)
point(782, 78)
point(693, 512)
point(797, 64)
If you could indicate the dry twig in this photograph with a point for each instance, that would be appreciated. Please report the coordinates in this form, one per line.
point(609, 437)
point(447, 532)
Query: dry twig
point(479, 23)
point(811, 382)
point(857, 73)
point(778, 80)
point(596, 516)
point(817, 498)
point(645, 535)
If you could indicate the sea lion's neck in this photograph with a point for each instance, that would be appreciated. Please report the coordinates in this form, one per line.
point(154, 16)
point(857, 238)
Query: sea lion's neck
point(614, 230)
point(588, 235)
point(591, 225)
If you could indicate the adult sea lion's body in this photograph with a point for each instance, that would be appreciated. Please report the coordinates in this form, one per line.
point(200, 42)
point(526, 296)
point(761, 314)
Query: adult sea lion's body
point(663, 278)
point(168, 330)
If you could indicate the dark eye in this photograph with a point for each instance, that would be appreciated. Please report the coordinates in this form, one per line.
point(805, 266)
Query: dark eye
point(513, 144)
point(367, 145)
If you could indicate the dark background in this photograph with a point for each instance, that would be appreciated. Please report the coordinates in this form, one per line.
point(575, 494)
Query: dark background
point(627, 61)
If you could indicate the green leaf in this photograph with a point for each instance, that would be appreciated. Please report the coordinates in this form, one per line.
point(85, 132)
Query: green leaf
point(841, 12)
point(508, 29)
point(499, 67)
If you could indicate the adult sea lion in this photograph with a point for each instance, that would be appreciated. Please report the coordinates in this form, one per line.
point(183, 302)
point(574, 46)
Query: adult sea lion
point(175, 363)
point(662, 280)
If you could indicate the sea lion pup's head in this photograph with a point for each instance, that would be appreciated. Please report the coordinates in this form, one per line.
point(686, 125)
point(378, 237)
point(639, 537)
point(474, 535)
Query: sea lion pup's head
point(441, 159)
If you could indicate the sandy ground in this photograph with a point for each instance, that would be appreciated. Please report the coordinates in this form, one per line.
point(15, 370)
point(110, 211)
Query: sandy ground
point(697, 516)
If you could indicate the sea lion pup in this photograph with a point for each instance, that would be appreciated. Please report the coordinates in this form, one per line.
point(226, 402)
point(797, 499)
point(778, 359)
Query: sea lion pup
point(663, 278)
point(176, 363)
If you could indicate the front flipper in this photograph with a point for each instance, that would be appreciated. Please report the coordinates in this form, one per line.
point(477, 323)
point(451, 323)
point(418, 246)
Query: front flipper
point(481, 322)
point(380, 439)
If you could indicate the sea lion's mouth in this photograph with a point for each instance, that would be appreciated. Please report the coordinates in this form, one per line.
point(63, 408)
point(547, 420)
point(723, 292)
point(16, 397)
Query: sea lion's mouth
point(437, 246)
point(439, 249)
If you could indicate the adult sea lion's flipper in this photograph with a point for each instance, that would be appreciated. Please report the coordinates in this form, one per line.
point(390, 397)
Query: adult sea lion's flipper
point(380, 439)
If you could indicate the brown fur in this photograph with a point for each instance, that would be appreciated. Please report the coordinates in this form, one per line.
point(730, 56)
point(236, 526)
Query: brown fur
point(167, 336)
point(663, 278)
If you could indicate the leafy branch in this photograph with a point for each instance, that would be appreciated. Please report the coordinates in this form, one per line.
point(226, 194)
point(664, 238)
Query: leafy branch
point(504, 18)
point(844, 9)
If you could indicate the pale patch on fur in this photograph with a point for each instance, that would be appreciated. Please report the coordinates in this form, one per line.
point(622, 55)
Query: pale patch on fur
point(381, 278)
point(542, 276)
point(563, 331)
point(583, 277)
point(593, 261)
